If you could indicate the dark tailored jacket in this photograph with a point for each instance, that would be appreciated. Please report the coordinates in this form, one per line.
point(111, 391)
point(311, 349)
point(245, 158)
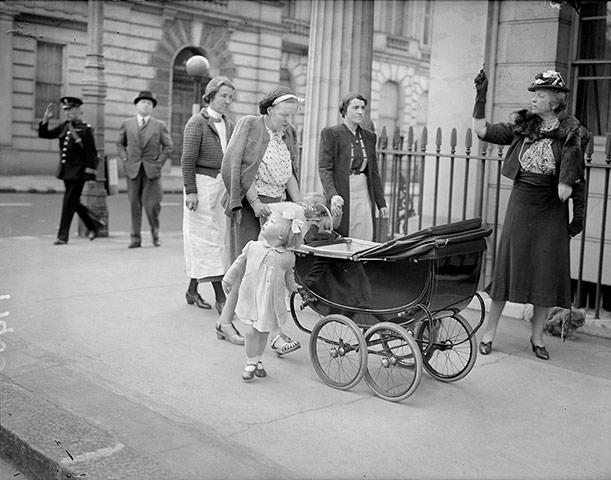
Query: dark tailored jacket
point(243, 157)
point(202, 151)
point(78, 155)
point(569, 143)
point(152, 153)
point(334, 168)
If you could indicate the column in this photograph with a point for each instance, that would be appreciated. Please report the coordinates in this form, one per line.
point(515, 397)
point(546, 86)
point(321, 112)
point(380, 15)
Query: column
point(6, 94)
point(94, 90)
point(340, 57)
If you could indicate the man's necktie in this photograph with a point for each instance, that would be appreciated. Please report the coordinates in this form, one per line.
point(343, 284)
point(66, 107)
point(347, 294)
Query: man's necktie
point(142, 124)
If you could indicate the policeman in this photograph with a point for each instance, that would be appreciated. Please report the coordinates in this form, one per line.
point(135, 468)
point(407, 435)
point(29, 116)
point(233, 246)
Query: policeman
point(78, 163)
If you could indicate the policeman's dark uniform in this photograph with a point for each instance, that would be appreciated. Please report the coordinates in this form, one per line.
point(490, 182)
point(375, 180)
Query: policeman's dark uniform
point(78, 163)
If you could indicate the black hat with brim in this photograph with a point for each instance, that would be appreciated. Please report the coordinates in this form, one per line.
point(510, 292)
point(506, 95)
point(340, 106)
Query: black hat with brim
point(70, 102)
point(146, 95)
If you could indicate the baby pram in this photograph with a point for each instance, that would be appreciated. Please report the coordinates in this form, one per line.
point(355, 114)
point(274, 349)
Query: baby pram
point(389, 309)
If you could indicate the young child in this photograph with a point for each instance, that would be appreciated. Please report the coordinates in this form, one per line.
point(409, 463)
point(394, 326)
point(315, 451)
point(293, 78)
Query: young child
point(263, 272)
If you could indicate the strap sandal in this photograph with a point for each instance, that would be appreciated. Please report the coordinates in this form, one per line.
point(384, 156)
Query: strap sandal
point(232, 337)
point(485, 348)
point(249, 372)
point(260, 371)
point(289, 345)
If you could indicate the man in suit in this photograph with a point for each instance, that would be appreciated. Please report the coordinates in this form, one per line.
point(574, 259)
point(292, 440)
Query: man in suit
point(144, 145)
point(78, 163)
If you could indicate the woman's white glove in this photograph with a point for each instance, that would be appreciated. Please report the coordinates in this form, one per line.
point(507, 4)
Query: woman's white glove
point(337, 203)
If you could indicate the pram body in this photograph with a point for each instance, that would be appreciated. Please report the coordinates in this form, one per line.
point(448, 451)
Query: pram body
point(388, 310)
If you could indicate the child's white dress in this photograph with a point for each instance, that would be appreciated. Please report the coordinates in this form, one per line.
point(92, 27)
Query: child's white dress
point(266, 274)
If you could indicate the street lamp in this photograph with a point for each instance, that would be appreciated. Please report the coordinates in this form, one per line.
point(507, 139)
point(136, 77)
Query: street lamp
point(197, 67)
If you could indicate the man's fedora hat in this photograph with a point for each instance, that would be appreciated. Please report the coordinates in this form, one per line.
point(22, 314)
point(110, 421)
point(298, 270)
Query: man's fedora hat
point(70, 102)
point(146, 95)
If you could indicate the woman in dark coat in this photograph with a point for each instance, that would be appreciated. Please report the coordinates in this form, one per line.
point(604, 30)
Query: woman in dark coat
point(349, 171)
point(545, 162)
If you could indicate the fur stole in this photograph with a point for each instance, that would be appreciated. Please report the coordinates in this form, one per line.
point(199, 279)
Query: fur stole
point(573, 138)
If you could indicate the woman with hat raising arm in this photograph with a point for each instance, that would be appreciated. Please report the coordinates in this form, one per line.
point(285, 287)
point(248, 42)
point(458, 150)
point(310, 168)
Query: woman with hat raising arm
point(545, 162)
point(259, 167)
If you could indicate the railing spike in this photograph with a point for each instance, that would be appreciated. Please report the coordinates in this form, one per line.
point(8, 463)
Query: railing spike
point(424, 138)
point(396, 138)
point(453, 137)
point(410, 136)
point(438, 137)
point(469, 139)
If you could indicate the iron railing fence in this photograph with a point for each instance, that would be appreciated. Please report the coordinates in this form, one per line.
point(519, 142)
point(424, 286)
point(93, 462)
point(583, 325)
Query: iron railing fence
point(425, 186)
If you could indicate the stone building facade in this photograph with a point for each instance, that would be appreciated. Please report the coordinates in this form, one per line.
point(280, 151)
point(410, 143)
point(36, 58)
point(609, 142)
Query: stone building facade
point(258, 44)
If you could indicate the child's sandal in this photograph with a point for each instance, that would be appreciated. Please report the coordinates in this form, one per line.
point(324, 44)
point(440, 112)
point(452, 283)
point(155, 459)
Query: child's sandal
point(249, 372)
point(260, 371)
point(289, 346)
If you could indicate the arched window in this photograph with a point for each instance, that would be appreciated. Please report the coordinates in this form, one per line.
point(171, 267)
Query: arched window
point(389, 108)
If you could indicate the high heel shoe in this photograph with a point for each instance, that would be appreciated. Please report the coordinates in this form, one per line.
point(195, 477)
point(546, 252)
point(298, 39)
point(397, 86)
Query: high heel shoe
point(197, 300)
point(540, 352)
point(233, 337)
point(485, 347)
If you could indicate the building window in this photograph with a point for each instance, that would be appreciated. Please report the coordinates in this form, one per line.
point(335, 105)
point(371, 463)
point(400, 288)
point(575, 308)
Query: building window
point(49, 67)
point(388, 109)
point(592, 67)
point(285, 78)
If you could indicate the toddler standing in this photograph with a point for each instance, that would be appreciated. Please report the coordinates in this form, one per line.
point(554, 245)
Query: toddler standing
point(263, 272)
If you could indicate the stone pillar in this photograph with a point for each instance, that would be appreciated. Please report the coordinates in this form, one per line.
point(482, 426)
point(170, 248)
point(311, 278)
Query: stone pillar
point(7, 152)
point(340, 57)
point(94, 90)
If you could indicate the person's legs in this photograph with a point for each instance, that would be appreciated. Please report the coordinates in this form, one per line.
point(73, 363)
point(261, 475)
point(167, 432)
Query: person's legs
point(225, 330)
point(134, 194)
point(193, 286)
point(252, 339)
point(219, 295)
point(490, 326)
point(152, 194)
point(536, 338)
point(71, 200)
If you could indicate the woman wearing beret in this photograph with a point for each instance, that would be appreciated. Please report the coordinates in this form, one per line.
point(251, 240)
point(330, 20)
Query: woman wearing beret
point(260, 167)
point(205, 244)
point(545, 162)
point(349, 170)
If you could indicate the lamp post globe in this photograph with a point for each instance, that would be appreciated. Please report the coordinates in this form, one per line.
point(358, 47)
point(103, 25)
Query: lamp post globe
point(197, 67)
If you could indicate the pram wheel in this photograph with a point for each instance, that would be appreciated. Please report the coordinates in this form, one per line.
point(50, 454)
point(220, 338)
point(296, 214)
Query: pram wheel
point(337, 351)
point(394, 362)
point(448, 347)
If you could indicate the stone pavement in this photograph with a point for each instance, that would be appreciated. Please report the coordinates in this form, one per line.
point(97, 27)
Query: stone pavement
point(109, 374)
point(106, 373)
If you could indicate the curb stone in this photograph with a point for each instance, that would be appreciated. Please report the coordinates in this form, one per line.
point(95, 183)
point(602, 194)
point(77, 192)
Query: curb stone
point(48, 442)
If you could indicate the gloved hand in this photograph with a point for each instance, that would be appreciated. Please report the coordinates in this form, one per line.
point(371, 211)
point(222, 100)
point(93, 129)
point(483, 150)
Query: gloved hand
point(481, 87)
point(579, 199)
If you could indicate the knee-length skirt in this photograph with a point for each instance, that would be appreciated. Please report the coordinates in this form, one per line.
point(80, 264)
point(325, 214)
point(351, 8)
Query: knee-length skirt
point(532, 263)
